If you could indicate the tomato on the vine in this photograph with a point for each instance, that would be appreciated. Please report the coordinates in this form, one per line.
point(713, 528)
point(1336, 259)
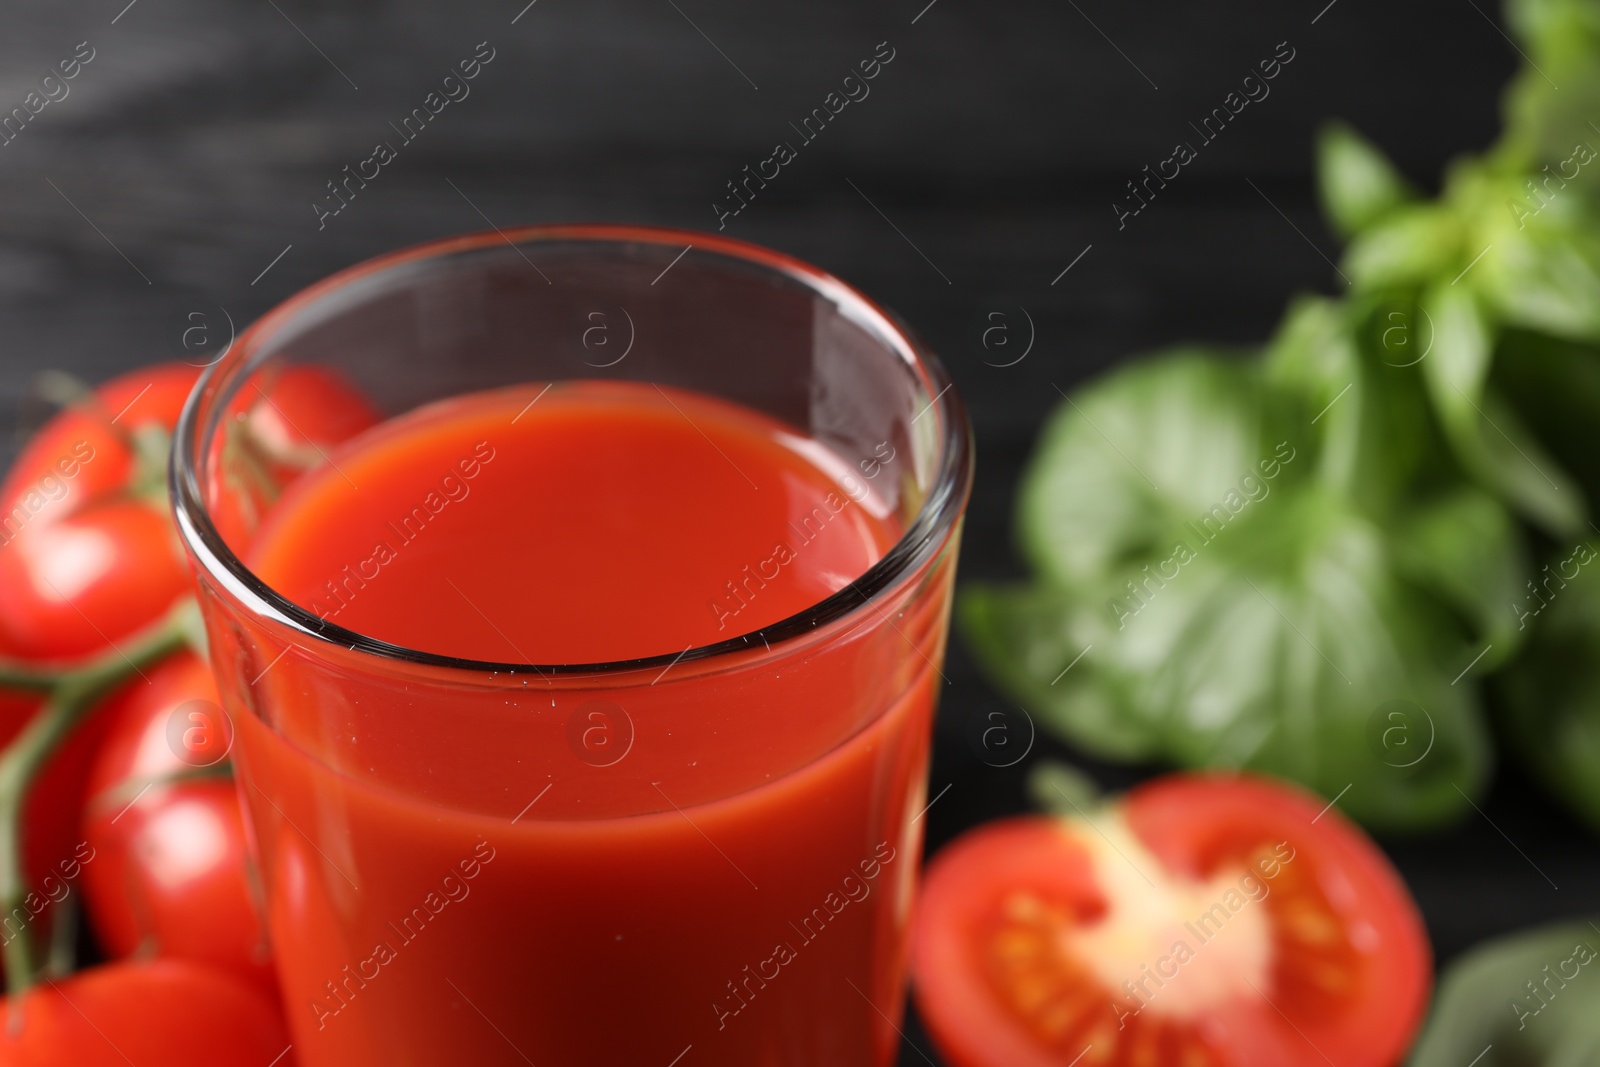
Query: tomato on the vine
point(92, 581)
point(1203, 921)
point(52, 849)
point(155, 1012)
point(89, 447)
point(88, 556)
point(89, 579)
point(171, 873)
point(87, 551)
point(17, 707)
point(295, 413)
point(279, 426)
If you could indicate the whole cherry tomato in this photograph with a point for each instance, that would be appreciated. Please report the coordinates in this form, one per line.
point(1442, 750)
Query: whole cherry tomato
point(87, 451)
point(87, 556)
point(293, 413)
point(82, 526)
point(172, 874)
point(89, 579)
point(159, 1012)
point(87, 551)
point(279, 426)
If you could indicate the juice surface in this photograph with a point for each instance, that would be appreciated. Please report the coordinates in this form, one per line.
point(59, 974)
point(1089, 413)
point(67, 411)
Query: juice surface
point(459, 875)
point(577, 524)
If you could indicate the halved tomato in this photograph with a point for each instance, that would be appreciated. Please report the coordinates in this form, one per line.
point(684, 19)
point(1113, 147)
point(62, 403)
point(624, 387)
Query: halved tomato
point(1202, 921)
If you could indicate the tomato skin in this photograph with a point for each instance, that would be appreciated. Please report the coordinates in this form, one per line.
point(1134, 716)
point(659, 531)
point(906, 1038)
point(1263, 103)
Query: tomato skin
point(172, 870)
point(277, 428)
point(87, 557)
point(165, 1012)
point(1192, 827)
point(83, 562)
point(97, 576)
point(81, 447)
point(298, 411)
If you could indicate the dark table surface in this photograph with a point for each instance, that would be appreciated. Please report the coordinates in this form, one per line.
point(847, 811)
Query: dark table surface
point(178, 177)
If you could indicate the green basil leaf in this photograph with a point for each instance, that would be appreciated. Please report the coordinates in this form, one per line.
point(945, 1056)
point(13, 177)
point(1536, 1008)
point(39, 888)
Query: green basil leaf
point(1528, 239)
point(1410, 247)
point(1365, 403)
point(1552, 692)
point(1357, 183)
point(1033, 643)
point(1555, 386)
point(1285, 641)
point(1553, 98)
point(1529, 1000)
point(1465, 547)
point(1314, 355)
point(1555, 30)
point(1277, 647)
point(1542, 271)
point(1148, 447)
point(1486, 434)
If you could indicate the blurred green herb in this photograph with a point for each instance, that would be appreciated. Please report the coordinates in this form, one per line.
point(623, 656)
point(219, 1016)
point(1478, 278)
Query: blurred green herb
point(1519, 1001)
point(1306, 559)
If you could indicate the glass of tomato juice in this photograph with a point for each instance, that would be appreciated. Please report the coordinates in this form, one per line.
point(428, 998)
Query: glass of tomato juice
point(582, 696)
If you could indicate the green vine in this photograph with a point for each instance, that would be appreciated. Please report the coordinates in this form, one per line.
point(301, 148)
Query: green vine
point(73, 692)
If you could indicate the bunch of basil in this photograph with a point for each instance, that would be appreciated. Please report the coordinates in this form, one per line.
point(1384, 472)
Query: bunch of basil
point(1324, 559)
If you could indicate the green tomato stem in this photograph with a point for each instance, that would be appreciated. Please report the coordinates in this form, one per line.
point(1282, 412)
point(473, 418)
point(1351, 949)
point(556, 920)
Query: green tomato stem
point(63, 957)
point(73, 695)
point(44, 676)
point(34, 679)
point(128, 791)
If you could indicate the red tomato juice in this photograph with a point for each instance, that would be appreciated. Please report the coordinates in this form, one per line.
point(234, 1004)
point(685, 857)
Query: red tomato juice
point(710, 863)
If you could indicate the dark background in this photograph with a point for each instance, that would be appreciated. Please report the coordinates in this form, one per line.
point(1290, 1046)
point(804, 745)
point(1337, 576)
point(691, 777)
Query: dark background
point(189, 151)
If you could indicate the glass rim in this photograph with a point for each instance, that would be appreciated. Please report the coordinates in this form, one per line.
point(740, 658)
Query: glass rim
point(922, 539)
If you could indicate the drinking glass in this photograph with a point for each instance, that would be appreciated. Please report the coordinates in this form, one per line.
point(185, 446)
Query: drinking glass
point(697, 858)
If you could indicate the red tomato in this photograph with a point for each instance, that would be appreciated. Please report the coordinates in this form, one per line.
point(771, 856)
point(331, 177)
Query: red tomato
point(295, 413)
point(171, 872)
point(1203, 921)
point(85, 561)
point(280, 426)
point(87, 554)
point(82, 454)
point(165, 1012)
point(89, 578)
